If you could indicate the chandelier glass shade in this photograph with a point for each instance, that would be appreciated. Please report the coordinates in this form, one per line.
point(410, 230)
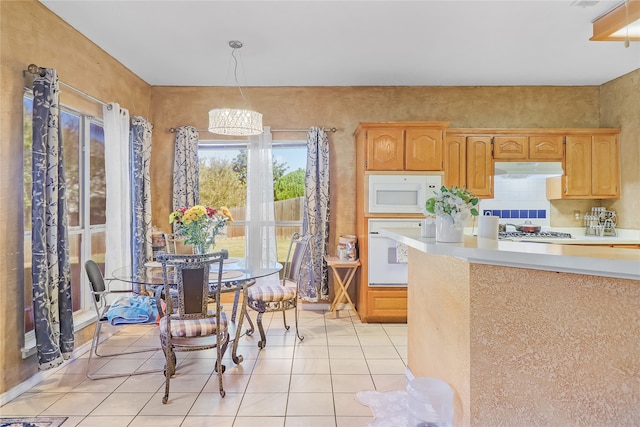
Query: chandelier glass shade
point(232, 121)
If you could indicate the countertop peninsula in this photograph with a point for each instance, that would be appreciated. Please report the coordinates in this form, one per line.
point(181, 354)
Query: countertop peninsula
point(570, 258)
point(526, 333)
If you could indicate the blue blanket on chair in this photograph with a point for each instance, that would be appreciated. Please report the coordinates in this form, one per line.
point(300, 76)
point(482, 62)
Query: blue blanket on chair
point(133, 309)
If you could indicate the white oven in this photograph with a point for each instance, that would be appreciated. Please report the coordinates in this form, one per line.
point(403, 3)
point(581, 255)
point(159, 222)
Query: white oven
point(400, 193)
point(385, 267)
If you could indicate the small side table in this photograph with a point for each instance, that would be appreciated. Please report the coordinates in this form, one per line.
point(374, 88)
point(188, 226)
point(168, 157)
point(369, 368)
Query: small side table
point(349, 268)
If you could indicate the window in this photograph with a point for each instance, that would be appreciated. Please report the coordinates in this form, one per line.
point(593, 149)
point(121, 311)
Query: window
point(83, 141)
point(223, 174)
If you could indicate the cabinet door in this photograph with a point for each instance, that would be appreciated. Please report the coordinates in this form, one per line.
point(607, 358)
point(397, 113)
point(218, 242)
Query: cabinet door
point(546, 147)
point(479, 166)
point(604, 166)
point(423, 150)
point(455, 160)
point(385, 149)
point(577, 168)
point(510, 147)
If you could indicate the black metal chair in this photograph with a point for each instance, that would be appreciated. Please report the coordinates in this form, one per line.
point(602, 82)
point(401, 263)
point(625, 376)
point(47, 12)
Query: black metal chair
point(191, 326)
point(100, 294)
point(284, 295)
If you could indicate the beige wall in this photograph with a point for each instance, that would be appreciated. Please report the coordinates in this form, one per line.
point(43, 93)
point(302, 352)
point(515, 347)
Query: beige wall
point(345, 107)
point(620, 107)
point(30, 33)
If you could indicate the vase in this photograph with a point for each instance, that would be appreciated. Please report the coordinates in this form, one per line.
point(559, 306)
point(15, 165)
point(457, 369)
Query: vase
point(202, 249)
point(446, 231)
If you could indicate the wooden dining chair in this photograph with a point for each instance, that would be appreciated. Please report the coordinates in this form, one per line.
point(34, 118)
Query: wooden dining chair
point(284, 295)
point(193, 321)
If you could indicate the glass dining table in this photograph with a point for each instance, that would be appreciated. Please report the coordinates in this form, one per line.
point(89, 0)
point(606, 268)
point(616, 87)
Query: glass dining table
point(238, 274)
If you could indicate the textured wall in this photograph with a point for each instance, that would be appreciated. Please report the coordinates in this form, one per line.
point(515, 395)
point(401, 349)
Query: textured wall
point(526, 347)
point(553, 348)
point(620, 107)
point(30, 33)
point(345, 107)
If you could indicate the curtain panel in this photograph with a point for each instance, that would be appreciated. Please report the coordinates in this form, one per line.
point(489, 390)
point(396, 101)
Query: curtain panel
point(316, 213)
point(186, 190)
point(117, 151)
point(142, 252)
point(260, 229)
point(50, 265)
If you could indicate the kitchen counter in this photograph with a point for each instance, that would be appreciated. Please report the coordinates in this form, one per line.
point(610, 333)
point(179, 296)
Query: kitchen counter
point(622, 237)
point(542, 334)
point(590, 260)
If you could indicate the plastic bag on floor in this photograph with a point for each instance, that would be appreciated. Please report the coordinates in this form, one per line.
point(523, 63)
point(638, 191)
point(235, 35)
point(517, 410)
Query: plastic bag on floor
point(389, 408)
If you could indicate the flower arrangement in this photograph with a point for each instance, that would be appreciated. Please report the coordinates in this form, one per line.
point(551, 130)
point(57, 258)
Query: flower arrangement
point(200, 224)
point(455, 202)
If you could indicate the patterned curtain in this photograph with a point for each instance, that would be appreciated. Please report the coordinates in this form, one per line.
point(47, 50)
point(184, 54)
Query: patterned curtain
point(316, 212)
point(117, 152)
point(186, 191)
point(141, 192)
point(261, 226)
point(50, 269)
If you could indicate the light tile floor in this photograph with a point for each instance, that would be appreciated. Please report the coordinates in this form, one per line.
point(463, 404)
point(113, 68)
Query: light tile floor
point(312, 383)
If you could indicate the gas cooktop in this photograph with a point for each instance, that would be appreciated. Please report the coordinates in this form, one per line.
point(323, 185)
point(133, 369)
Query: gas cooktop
point(505, 235)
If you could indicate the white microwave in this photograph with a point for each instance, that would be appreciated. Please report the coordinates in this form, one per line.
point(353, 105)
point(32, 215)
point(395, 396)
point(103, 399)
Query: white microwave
point(400, 193)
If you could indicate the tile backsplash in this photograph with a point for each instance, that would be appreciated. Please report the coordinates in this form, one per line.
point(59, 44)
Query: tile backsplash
point(517, 200)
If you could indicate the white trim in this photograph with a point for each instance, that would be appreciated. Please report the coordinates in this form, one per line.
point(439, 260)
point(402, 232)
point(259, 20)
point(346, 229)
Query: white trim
point(40, 376)
point(81, 320)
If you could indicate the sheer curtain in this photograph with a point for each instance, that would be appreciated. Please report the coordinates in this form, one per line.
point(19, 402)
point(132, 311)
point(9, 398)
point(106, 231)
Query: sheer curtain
point(117, 173)
point(186, 190)
point(141, 131)
point(50, 271)
point(260, 228)
point(316, 212)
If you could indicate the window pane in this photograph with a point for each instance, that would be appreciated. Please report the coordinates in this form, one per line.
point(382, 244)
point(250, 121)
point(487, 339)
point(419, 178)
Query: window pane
point(28, 290)
point(98, 249)
point(27, 138)
point(97, 190)
point(70, 128)
point(223, 174)
point(75, 242)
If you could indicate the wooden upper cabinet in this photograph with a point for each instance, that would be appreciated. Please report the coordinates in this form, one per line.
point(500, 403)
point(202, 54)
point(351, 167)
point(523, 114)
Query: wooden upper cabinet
point(605, 173)
point(423, 150)
point(539, 147)
point(455, 161)
point(548, 147)
point(479, 166)
point(591, 168)
point(577, 172)
point(385, 149)
point(408, 146)
point(510, 147)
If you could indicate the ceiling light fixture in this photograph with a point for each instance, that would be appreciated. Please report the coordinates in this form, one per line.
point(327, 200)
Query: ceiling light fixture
point(232, 121)
point(621, 23)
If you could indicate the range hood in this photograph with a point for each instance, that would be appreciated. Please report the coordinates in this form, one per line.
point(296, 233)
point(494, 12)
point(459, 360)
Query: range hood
point(521, 169)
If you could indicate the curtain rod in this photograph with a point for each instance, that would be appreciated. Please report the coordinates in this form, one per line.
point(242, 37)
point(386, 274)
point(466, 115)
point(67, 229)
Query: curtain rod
point(34, 69)
point(326, 129)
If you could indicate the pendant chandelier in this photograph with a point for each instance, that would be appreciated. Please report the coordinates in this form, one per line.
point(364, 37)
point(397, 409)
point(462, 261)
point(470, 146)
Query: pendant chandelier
point(232, 121)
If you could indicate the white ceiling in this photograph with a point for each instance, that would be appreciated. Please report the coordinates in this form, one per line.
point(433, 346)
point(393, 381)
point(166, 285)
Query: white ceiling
point(355, 43)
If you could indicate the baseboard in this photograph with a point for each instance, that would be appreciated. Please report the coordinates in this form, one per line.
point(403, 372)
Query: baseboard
point(313, 306)
point(40, 376)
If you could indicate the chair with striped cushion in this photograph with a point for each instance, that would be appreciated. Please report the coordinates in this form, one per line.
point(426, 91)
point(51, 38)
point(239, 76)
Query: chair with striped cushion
point(284, 295)
point(193, 320)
